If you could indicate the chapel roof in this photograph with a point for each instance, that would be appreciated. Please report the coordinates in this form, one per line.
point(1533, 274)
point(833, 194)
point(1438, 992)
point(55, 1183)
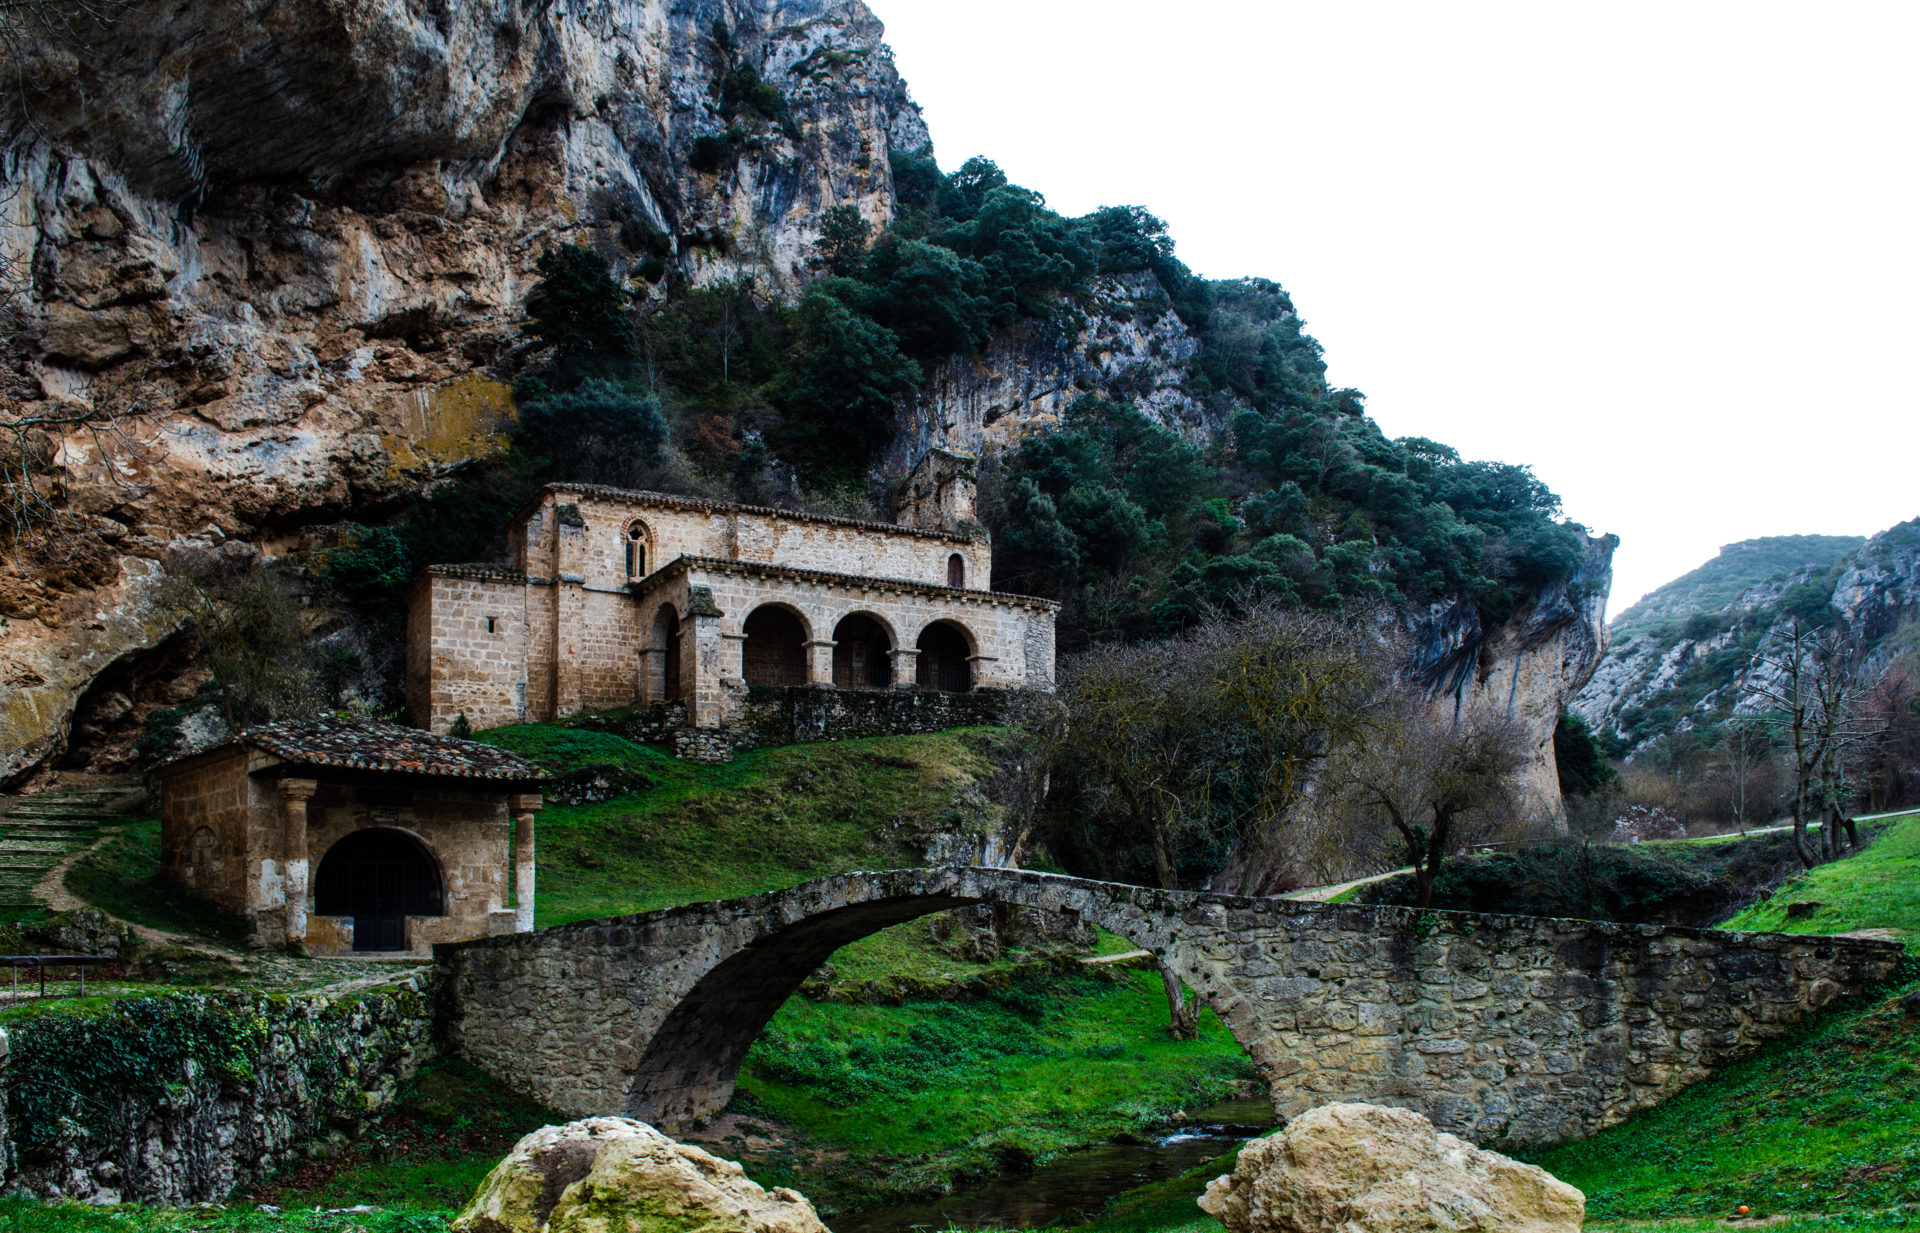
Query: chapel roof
point(367, 745)
point(638, 496)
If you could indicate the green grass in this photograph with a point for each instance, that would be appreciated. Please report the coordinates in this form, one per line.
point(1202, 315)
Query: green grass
point(767, 820)
point(1877, 889)
point(1826, 1120)
point(30, 1216)
point(121, 876)
point(910, 1098)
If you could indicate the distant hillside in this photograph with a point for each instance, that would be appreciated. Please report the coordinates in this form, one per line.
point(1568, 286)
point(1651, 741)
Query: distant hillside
point(1678, 659)
point(1738, 568)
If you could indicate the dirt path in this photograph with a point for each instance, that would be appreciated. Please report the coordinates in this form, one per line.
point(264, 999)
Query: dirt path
point(1320, 894)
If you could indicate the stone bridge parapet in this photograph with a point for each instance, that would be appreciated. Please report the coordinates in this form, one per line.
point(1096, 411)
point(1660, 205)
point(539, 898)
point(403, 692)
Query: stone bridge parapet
point(1504, 1029)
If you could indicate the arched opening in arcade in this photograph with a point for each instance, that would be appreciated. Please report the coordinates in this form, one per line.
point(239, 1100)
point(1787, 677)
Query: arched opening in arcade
point(776, 647)
point(666, 644)
point(944, 662)
point(379, 877)
point(862, 654)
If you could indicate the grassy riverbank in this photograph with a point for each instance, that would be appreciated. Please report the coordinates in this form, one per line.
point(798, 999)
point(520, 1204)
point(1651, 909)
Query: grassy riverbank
point(876, 1103)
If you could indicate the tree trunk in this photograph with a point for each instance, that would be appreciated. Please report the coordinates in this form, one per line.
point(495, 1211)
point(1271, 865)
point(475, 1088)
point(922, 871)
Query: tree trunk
point(1183, 1016)
point(1800, 846)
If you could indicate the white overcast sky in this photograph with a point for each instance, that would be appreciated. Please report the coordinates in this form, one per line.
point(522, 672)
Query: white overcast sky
point(1668, 254)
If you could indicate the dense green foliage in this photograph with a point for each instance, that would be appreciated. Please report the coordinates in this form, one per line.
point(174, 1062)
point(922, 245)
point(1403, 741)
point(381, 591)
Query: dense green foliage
point(722, 390)
point(1738, 568)
point(1681, 883)
point(1580, 760)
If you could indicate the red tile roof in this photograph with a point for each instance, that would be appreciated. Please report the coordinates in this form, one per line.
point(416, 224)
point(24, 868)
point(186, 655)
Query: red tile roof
point(364, 745)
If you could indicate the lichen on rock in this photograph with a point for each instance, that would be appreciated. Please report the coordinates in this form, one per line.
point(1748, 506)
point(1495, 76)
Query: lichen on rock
point(616, 1175)
point(1355, 1168)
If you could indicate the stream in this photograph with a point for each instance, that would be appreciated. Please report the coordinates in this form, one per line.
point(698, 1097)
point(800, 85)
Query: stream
point(1075, 1186)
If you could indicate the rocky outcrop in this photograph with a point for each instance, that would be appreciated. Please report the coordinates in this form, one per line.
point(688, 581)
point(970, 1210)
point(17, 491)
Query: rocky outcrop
point(286, 244)
point(1129, 346)
point(1343, 1168)
point(1524, 671)
point(289, 247)
point(616, 1175)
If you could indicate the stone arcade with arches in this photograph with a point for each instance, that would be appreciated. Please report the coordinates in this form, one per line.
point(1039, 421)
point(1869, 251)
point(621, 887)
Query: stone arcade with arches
point(622, 599)
point(344, 837)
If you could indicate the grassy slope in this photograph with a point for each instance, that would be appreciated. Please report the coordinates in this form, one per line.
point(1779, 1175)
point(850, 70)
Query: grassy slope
point(1826, 1120)
point(911, 1097)
point(769, 819)
point(1878, 889)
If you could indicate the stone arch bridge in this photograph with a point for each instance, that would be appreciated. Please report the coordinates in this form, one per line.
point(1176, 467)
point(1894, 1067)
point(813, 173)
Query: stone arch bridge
point(1501, 1028)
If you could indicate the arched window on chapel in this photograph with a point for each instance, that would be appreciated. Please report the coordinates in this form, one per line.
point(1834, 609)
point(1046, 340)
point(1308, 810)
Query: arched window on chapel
point(636, 550)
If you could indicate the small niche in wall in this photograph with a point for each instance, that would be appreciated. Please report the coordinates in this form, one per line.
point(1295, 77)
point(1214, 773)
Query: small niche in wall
point(491, 628)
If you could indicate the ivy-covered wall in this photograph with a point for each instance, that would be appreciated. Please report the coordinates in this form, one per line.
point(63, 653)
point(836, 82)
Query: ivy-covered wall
point(182, 1097)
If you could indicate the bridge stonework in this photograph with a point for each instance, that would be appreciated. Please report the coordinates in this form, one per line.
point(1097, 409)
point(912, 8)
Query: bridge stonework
point(1506, 1029)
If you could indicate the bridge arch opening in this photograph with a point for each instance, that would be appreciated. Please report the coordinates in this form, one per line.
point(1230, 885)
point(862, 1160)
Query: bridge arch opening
point(691, 1063)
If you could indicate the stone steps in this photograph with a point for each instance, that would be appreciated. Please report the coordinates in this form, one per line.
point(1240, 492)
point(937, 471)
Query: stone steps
point(38, 832)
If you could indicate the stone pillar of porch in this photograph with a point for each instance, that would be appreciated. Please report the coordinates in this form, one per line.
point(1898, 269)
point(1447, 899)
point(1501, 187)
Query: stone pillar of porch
point(906, 667)
point(294, 794)
point(819, 653)
point(523, 809)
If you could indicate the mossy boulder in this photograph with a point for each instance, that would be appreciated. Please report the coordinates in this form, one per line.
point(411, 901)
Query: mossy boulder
point(616, 1175)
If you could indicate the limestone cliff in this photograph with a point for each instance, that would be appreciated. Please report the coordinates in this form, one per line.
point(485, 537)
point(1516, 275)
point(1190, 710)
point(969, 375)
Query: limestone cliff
point(290, 246)
point(1524, 670)
point(288, 241)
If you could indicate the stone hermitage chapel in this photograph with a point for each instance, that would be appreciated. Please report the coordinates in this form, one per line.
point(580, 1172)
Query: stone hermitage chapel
point(623, 599)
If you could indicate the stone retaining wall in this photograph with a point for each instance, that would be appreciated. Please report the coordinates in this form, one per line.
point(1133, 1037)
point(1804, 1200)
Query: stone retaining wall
point(1503, 1029)
point(181, 1098)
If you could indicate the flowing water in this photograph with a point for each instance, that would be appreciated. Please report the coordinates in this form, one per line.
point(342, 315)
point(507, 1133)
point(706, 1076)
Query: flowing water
point(1076, 1186)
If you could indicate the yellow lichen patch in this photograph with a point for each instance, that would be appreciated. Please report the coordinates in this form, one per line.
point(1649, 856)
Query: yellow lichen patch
point(466, 418)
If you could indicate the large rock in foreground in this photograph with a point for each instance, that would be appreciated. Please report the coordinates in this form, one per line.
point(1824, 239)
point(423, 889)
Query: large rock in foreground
point(616, 1175)
point(1351, 1168)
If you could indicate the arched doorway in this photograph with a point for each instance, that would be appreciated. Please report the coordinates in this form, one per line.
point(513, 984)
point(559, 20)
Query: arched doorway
point(943, 659)
point(862, 654)
point(666, 641)
point(776, 649)
point(379, 877)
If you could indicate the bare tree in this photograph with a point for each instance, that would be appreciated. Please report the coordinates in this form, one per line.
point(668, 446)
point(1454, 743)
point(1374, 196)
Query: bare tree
point(1809, 687)
point(1202, 743)
point(1439, 784)
point(1746, 746)
point(254, 635)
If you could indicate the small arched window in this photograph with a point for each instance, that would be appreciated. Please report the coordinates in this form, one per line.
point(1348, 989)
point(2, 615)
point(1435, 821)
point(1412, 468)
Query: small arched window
point(956, 570)
point(636, 550)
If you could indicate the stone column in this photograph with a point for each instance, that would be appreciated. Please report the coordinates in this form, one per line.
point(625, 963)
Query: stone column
point(523, 809)
point(820, 661)
point(906, 667)
point(294, 794)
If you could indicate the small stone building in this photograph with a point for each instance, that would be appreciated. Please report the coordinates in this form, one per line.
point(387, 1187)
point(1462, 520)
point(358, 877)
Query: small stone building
point(410, 838)
point(621, 598)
